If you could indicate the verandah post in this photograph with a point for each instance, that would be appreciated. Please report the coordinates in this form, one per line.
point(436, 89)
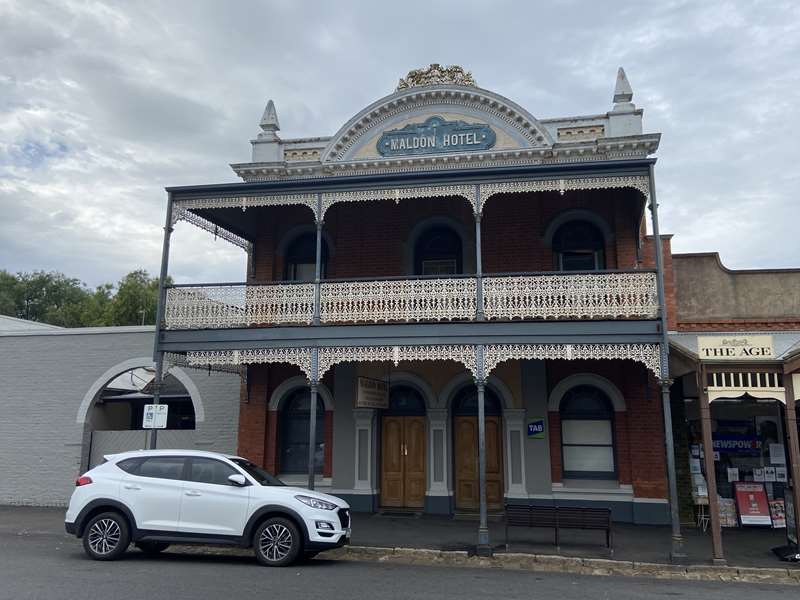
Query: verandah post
point(711, 475)
point(479, 314)
point(483, 549)
point(312, 418)
point(676, 552)
point(318, 264)
point(158, 355)
point(790, 418)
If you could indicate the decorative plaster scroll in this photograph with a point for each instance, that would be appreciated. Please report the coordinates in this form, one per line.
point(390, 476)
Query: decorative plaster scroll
point(465, 191)
point(436, 74)
point(245, 202)
point(227, 306)
point(641, 183)
point(300, 357)
point(198, 221)
point(578, 296)
point(647, 354)
point(328, 357)
point(400, 300)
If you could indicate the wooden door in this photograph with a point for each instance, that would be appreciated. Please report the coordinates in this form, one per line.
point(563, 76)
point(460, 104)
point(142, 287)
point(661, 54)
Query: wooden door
point(392, 462)
point(465, 442)
point(403, 470)
point(414, 462)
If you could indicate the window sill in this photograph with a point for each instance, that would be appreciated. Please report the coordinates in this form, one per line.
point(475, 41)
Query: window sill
point(299, 480)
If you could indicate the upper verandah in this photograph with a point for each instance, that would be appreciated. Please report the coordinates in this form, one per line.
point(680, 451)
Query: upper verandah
point(439, 119)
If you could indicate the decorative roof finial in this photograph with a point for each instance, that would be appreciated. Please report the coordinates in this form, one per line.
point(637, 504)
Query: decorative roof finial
point(269, 122)
point(436, 74)
point(622, 90)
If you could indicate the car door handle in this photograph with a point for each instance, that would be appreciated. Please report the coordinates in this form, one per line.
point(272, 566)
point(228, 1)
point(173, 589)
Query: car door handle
point(193, 493)
point(131, 486)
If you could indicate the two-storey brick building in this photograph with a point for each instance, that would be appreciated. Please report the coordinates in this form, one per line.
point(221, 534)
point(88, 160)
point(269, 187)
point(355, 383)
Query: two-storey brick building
point(450, 304)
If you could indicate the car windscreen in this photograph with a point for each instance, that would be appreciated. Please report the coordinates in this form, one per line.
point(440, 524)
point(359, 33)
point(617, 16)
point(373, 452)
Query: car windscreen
point(257, 473)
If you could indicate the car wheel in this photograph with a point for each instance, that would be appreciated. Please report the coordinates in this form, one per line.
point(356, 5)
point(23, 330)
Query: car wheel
point(106, 536)
point(277, 542)
point(152, 547)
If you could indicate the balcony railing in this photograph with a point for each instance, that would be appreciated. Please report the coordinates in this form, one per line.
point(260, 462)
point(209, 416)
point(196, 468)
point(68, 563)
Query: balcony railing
point(555, 296)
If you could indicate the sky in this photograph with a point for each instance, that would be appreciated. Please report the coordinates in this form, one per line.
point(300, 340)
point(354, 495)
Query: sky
point(103, 104)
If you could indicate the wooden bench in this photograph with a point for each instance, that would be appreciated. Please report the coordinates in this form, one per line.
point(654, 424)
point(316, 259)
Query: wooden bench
point(559, 517)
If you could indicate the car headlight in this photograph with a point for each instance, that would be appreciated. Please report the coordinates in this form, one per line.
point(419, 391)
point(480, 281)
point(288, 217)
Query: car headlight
point(316, 503)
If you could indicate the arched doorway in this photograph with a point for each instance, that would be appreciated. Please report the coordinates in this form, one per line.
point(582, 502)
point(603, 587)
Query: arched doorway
point(295, 416)
point(403, 474)
point(465, 450)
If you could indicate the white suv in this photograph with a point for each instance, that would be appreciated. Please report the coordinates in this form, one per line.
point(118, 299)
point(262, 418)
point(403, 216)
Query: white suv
point(159, 497)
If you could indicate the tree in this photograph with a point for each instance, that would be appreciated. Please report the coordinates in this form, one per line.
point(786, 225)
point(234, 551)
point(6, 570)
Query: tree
point(136, 300)
point(60, 300)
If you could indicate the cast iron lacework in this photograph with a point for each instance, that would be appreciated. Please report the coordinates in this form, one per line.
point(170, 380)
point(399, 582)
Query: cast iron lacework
point(300, 357)
point(172, 359)
point(647, 354)
point(398, 300)
point(639, 183)
point(245, 202)
point(198, 221)
point(465, 191)
point(225, 306)
point(578, 296)
point(328, 357)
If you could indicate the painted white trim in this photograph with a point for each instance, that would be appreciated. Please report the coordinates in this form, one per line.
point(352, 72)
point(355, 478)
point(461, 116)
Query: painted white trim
point(566, 384)
point(651, 500)
point(777, 394)
point(291, 384)
point(355, 492)
point(514, 424)
point(136, 363)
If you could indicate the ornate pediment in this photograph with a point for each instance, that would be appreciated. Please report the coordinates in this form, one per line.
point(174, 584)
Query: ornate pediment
point(441, 119)
point(436, 74)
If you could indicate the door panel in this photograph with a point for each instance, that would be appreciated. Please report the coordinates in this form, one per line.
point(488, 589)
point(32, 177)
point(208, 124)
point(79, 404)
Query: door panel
point(155, 503)
point(403, 481)
point(494, 463)
point(392, 462)
point(414, 461)
point(465, 442)
point(465, 431)
point(209, 502)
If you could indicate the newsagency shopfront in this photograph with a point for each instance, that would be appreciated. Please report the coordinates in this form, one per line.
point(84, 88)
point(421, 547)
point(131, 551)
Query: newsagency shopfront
point(449, 305)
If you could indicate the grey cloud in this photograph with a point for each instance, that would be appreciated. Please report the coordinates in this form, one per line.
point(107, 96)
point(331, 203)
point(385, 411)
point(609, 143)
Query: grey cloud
point(150, 94)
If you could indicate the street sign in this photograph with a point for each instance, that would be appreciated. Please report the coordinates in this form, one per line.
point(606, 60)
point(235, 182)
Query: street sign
point(155, 416)
point(536, 429)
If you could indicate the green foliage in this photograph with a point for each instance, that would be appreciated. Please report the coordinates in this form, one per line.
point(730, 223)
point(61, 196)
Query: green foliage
point(59, 300)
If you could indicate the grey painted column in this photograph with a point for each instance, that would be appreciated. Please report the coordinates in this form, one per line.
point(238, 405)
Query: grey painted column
point(318, 265)
point(479, 315)
point(790, 418)
point(158, 356)
point(677, 553)
point(312, 418)
point(484, 549)
point(717, 556)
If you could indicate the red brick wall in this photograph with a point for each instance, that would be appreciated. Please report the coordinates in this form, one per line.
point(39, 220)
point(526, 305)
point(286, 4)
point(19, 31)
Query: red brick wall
point(649, 262)
point(638, 431)
point(369, 239)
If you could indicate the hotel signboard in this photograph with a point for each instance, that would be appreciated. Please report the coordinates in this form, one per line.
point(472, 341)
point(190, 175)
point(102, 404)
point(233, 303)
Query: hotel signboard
point(436, 136)
point(372, 393)
point(735, 347)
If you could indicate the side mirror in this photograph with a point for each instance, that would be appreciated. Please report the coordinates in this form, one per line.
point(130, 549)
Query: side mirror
point(237, 479)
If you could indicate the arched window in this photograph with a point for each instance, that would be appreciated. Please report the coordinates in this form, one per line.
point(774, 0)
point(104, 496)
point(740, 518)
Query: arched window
point(405, 400)
point(301, 258)
point(438, 251)
point(465, 404)
point(587, 434)
point(294, 419)
point(579, 246)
